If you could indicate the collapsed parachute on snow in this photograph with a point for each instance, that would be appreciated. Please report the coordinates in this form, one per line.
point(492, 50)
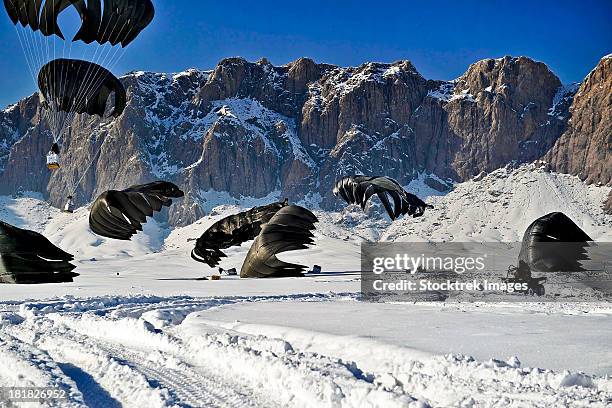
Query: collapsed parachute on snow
point(359, 189)
point(232, 231)
point(119, 21)
point(76, 86)
point(554, 243)
point(120, 214)
point(27, 257)
point(288, 230)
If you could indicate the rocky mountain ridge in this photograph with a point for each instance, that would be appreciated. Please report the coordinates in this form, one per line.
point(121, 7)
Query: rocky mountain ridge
point(254, 129)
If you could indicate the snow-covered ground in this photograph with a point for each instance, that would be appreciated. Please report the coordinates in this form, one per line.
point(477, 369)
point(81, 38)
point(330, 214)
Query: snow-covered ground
point(137, 328)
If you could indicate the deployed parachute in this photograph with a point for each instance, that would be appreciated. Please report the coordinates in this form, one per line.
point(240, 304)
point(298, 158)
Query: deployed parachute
point(28, 257)
point(61, 86)
point(359, 189)
point(120, 214)
point(110, 21)
point(288, 230)
point(554, 243)
point(73, 86)
point(232, 231)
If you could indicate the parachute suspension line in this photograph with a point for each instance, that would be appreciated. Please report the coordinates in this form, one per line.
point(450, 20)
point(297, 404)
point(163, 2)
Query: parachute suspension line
point(97, 153)
point(25, 54)
point(92, 83)
point(34, 57)
point(28, 52)
point(63, 117)
point(39, 40)
point(95, 59)
point(93, 158)
point(89, 82)
point(25, 45)
point(33, 60)
point(53, 113)
point(92, 80)
point(114, 59)
point(58, 136)
point(89, 77)
point(38, 46)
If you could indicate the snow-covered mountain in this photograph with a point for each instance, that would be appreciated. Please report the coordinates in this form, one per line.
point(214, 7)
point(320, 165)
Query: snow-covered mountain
point(256, 130)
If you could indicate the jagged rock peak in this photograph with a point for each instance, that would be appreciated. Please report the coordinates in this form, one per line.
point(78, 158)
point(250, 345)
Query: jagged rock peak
point(303, 72)
point(585, 148)
point(520, 79)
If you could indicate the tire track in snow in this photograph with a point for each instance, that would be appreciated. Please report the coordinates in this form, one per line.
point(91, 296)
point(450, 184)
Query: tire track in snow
point(191, 387)
point(112, 375)
point(94, 394)
point(96, 359)
point(23, 365)
point(275, 374)
point(113, 379)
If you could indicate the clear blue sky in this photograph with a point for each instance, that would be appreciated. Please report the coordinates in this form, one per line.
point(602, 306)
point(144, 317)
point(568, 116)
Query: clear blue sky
point(441, 38)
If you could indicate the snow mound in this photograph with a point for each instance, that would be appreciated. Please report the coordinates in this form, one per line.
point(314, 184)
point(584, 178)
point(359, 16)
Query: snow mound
point(71, 232)
point(500, 206)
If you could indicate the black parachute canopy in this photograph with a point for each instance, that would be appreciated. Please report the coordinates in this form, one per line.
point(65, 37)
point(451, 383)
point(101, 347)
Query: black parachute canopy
point(232, 231)
point(554, 243)
point(27, 257)
point(69, 85)
point(120, 214)
point(112, 21)
point(359, 189)
point(289, 229)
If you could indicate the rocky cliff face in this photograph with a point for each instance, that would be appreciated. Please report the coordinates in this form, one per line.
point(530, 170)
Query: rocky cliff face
point(585, 148)
point(252, 129)
point(499, 111)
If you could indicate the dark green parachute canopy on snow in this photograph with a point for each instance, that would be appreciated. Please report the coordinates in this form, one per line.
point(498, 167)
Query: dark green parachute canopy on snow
point(554, 243)
point(120, 214)
point(27, 257)
point(359, 189)
point(232, 231)
point(289, 229)
point(69, 85)
point(108, 21)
